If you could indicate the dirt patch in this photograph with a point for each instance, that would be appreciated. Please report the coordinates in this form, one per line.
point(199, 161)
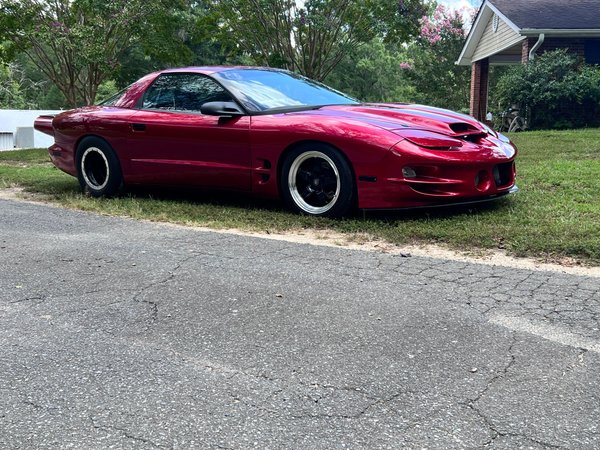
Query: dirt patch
point(11, 193)
point(19, 194)
point(365, 243)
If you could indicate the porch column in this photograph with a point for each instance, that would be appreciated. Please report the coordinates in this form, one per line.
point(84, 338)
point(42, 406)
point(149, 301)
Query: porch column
point(525, 47)
point(479, 88)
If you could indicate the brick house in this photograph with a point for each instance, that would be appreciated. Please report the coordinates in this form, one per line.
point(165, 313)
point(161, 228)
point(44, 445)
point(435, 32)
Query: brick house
point(515, 31)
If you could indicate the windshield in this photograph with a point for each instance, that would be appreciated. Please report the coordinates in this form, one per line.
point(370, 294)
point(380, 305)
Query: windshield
point(264, 90)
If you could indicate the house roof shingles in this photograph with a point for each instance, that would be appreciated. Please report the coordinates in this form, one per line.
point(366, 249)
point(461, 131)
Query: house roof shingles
point(551, 14)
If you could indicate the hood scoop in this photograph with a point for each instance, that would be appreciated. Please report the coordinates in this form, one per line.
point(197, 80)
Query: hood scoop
point(466, 131)
point(463, 128)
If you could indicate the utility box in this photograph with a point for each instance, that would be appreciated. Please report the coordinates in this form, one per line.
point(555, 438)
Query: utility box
point(7, 141)
point(24, 137)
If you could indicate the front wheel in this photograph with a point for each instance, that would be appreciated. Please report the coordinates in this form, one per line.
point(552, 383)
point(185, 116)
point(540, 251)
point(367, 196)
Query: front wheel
point(317, 180)
point(98, 168)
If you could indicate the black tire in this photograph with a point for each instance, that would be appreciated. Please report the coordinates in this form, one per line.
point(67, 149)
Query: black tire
point(518, 124)
point(98, 169)
point(317, 180)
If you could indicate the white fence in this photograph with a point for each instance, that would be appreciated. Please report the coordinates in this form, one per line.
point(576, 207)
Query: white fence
point(16, 129)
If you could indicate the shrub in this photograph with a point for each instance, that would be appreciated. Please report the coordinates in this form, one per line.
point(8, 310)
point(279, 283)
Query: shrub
point(556, 91)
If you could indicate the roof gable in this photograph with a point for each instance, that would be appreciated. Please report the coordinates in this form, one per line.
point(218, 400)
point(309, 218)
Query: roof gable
point(484, 15)
point(497, 36)
point(532, 18)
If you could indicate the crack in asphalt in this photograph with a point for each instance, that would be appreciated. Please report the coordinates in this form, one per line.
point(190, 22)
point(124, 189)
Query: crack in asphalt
point(539, 296)
point(570, 300)
point(126, 433)
point(472, 403)
point(33, 404)
point(30, 298)
point(523, 436)
point(376, 403)
point(171, 275)
point(284, 386)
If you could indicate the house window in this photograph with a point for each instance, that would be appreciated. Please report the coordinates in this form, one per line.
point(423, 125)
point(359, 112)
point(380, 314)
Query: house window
point(592, 51)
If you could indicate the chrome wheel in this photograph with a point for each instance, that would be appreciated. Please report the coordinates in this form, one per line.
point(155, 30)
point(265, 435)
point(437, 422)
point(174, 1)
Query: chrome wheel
point(95, 168)
point(314, 182)
point(98, 168)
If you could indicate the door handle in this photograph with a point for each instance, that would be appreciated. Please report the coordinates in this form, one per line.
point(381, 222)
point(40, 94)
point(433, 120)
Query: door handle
point(138, 126)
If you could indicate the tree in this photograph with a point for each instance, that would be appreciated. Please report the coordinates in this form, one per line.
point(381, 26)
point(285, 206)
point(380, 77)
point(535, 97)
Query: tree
point(312, 37)
point(77, 43)
point(430, 61)
point(12, 87)
point(371, 73)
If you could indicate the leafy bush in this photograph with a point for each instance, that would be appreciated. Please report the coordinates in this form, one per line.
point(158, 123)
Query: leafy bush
point(556, 91)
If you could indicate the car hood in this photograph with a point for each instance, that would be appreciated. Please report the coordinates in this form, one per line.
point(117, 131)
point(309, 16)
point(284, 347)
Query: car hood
point(401, 116)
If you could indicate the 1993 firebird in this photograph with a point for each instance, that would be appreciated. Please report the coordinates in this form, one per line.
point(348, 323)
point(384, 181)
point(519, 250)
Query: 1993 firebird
point(278, 135)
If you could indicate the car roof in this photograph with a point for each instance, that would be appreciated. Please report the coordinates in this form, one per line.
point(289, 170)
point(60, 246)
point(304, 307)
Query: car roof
point(207, 70)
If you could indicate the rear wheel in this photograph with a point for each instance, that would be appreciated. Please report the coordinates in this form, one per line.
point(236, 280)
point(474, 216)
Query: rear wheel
point(317, 180)
point(98, 168)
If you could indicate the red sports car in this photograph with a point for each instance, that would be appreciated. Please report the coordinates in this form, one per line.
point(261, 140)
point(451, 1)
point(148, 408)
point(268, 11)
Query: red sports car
point(279, 135)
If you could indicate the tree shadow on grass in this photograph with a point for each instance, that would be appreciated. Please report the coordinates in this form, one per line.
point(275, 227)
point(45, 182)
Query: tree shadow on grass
point(241, 200)
point(436, 212)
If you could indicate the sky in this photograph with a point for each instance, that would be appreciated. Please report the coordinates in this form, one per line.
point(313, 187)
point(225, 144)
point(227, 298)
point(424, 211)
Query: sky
point(465, 5)
point(455, 4)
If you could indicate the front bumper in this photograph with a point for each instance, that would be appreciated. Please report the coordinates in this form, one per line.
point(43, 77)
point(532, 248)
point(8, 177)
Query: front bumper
point(411, 177)
point(459, 202)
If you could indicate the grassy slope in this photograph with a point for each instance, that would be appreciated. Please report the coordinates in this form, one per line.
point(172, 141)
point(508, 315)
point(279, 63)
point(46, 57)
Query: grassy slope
point(555, 216)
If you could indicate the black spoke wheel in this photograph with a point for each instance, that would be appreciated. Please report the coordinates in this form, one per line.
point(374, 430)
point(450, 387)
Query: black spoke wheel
point(98, 169)
point(317, 180)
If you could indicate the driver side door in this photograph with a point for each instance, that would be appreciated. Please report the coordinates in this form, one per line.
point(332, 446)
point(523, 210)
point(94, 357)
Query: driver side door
point(171, 142)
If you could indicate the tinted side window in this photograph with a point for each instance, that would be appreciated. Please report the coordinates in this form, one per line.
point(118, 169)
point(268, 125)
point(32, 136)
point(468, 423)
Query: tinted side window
point(183, 92)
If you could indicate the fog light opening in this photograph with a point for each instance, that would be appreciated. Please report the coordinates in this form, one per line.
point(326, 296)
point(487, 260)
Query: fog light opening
point(497, 177)
point(409, 172)
point(483, 181)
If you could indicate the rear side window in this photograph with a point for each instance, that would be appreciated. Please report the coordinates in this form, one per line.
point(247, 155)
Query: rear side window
point(183, 92)
point(113, 99)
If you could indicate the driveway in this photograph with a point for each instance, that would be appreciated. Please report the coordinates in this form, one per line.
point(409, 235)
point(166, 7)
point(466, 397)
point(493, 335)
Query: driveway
point(116, 333)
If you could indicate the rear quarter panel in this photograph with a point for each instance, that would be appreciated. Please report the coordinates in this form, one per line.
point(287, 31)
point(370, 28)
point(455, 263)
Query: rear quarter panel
point(109, 123)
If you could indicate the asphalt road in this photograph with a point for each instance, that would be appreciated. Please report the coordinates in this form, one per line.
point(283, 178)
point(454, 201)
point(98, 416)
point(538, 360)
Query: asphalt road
point(123, 334)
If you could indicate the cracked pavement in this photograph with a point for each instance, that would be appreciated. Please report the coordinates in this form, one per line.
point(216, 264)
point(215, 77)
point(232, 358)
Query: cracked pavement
point(124, 334)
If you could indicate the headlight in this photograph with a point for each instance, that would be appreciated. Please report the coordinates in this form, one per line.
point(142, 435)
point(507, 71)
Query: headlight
point(429, 139)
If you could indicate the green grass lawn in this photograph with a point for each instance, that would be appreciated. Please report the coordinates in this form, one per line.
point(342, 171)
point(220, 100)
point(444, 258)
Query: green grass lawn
point(555, 217)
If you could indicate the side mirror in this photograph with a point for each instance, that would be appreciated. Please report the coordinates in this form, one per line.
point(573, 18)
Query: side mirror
point(223, 109)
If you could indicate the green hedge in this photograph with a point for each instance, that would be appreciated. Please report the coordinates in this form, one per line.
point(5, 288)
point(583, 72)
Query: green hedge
point(555, 89)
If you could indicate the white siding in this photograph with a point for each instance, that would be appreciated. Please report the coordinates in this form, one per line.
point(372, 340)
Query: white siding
point(7, 141)
point(492, 43)
point(11, 119)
